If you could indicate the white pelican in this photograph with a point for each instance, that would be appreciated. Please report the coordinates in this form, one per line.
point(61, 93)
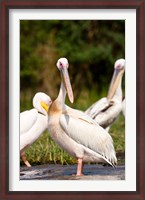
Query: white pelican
point(76, 132)
point(33, 122)
point(106, 110)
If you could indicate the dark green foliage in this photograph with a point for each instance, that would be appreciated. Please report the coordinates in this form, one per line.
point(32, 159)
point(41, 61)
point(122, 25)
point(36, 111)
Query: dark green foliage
point(91, 46)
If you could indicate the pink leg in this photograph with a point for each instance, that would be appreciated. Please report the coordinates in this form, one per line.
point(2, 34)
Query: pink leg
point(27, 163)
point(79, 167)
point(23, 156)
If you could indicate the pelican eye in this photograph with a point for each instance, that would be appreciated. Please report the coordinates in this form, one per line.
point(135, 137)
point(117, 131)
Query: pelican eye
point(60, 64)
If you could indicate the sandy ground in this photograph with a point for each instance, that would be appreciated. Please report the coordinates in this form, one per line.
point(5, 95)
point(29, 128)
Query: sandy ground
point(66, 172)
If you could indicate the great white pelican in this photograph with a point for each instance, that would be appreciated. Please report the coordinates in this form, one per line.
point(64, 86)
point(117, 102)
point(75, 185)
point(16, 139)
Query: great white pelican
point(76, 132)
point(33, 123)
point(106, 110)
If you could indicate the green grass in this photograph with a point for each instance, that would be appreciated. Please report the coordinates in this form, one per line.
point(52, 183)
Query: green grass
point(117, 131)
point(45, 150)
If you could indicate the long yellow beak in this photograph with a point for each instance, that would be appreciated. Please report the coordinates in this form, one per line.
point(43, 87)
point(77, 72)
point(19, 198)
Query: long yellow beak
point(44, 105)
point(67, 84)
point(114, 83)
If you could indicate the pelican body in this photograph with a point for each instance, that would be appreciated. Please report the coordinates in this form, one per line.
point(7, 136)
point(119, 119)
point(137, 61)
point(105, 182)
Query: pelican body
point(106, 110)
point(33, 122)
point(76, 132)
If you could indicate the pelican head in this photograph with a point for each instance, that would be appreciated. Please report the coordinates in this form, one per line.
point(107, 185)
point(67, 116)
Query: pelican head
point(119, 68)
point(120, 64)
point(41, 102)
point(63, 65)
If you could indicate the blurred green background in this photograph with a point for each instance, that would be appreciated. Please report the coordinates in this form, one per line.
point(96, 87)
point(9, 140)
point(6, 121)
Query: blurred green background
point(91, 47)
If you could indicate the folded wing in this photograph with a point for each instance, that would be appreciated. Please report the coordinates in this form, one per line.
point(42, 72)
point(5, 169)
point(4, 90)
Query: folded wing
point(88, 134)
point(27, 120)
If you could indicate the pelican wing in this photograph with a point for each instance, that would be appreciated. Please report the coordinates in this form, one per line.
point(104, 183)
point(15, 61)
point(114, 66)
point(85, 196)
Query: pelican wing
point(78, 114)
point(27, 120)
point(90, 135)
point(34, 131)
point(98, 107)
point(108, 116)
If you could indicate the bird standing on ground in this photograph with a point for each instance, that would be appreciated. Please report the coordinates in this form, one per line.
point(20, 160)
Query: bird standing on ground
point(76, 132)
point(33, 122)
point(106, 110)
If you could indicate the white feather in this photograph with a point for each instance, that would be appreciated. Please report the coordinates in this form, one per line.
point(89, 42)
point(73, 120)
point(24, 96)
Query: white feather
point(91, 136)
point(98, 107)
point(34, 132)
point(27, 120)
